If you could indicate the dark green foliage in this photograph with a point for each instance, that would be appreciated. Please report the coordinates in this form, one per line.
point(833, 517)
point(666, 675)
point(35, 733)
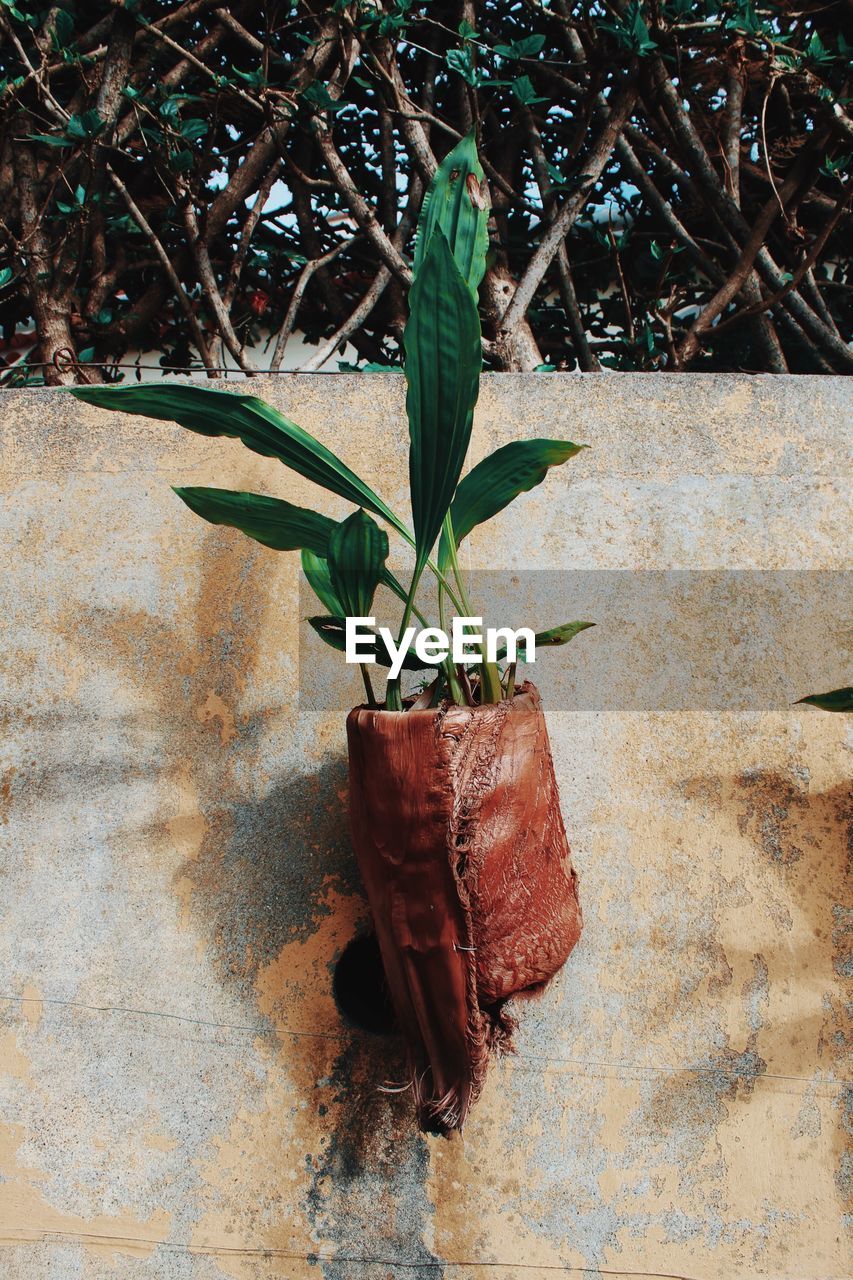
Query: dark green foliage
point(555, 636)
point(261, 428)
point(448, 205)
point(344, 562)
point(493, 483)
point(331, 630)
point(316, 570)
point(442, 344)
point(836, 700)
point(126, 130)
point(275, 523)
point(357, 552)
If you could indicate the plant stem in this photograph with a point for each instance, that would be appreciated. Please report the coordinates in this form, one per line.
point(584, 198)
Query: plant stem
point(440, 578)
point(446, 666)
point(443, 584)
point(368, 687)
point(393, 699)
point(491, 689)
point(453, 683)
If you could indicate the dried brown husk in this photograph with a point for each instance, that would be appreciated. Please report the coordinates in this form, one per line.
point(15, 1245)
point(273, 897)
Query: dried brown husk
point(457, 828)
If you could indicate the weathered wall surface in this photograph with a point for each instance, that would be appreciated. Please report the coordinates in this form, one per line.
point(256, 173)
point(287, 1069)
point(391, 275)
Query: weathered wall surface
point(181, 1099)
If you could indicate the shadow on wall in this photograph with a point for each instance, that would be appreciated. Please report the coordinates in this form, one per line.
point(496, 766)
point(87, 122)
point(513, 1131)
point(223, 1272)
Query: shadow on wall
point(808, 838)
point(803, 841)
point(261, 874)
point(272, 888)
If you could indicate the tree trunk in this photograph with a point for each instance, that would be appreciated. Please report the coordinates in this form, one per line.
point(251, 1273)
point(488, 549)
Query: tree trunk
point(51, 314)
point(517, 351)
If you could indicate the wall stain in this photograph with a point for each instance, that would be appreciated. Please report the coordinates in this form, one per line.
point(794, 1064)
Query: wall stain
point(267, 885)
point(162, 763)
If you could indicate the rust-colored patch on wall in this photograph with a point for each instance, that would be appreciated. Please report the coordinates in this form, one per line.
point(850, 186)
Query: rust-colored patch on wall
point(176, 893)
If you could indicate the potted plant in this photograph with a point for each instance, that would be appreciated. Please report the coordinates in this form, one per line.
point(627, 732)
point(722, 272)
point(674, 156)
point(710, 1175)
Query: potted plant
point(453, 802)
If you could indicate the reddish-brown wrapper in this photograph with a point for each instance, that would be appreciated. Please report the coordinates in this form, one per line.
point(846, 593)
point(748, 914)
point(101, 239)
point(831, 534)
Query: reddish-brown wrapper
point(457, 829)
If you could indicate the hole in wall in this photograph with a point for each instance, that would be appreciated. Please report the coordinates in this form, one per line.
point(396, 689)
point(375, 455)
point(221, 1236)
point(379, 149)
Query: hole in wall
point(359, 987)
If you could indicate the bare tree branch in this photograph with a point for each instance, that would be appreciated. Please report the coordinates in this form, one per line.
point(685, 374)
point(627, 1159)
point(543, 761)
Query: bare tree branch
point(359, 315)
point(185, 303)
point(361, 211)
point(210, 288)
point(805, 266)
point(555, 234)
point(301, 285)
point(374, 292)
point(743, 266)
point(587, 360)
point(51, 317)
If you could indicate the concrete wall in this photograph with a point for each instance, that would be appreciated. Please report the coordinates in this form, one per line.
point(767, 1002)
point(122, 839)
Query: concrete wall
point(181, 1098)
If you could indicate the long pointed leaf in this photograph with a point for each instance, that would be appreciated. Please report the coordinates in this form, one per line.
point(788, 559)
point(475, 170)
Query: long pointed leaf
point(395, 585)
point(454, 203)
point(275, 523)
point(443, 359)
point(358, 549)
point(261, 428)
point(835, 700)
point(553, 636)
point(316, 570)
point(332, 630)
point(493, 483)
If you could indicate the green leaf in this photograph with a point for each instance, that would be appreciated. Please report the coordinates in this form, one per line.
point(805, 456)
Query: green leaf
point(554, 636)
point(275, 523)
point(443, 358)
point(561, 635)
point(87, 125)
point(493, 483)
point(462, 61)
point(63, 29)
point(395, 585)
point(318, 95)
point(745, 20)
point(372, 366)
point(523, 89)
point(6, 274)
point(357, 552)
point(181, 161)
point(193, 129)
point(836, 700)
point(261, 428)
point(255, 78)
point(528, 47)
point(455, 203)
point(332, 630)
point(49, 139)
point(632, 32)
point(316, 570)
point(836, 168)
point(572, 183)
